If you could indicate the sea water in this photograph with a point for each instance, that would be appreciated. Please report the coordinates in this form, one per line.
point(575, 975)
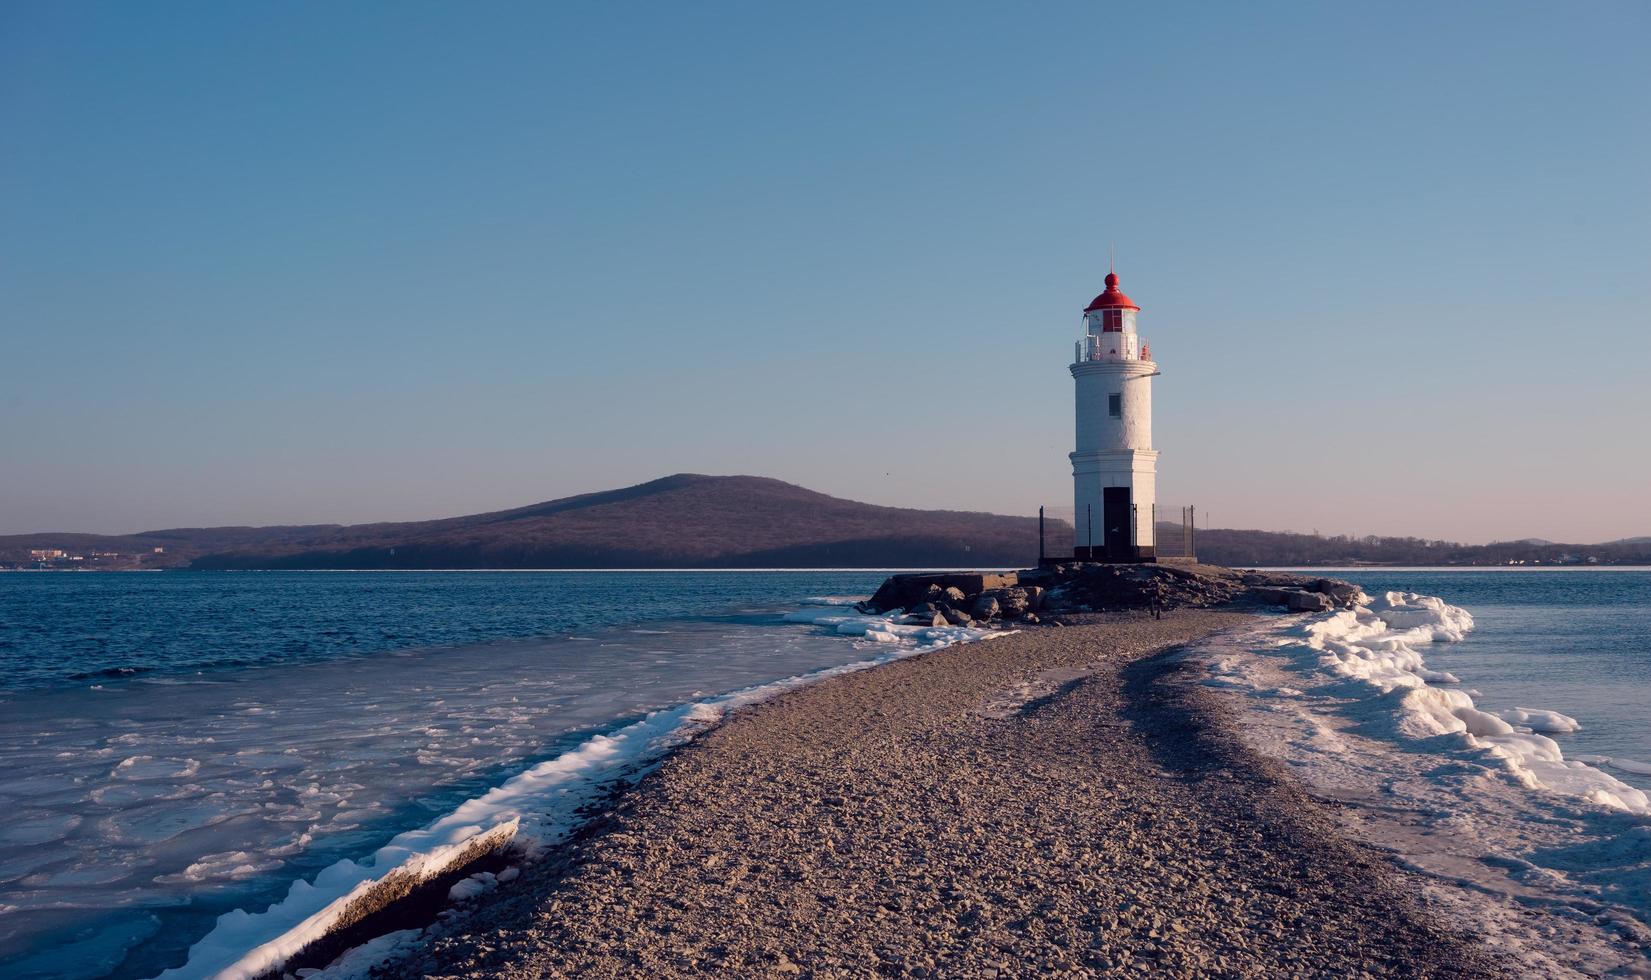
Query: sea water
point(180, 745)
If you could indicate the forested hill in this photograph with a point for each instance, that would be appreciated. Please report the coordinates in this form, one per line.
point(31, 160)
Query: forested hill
point(681, 521)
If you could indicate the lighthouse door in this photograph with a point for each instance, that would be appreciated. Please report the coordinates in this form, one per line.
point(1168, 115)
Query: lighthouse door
point(1115, 508)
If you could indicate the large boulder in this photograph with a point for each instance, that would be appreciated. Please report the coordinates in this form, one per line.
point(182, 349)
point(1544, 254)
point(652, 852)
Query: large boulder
point(1341, 593)
point(1042, 577)
point(887, 596)
point(985, 607)
point(1309, 602)
point(908, 589)
point(1011, 603)
point(958, 617)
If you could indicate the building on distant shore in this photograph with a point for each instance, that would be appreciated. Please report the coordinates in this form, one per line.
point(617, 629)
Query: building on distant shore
point(1114, 467)
point(46, 554)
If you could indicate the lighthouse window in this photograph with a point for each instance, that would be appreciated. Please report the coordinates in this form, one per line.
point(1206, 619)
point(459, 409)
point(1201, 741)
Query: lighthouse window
point(1115, 405)
point(1112, 319)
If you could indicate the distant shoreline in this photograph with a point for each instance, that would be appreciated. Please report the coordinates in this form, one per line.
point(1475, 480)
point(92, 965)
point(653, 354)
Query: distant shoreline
point(839, 569)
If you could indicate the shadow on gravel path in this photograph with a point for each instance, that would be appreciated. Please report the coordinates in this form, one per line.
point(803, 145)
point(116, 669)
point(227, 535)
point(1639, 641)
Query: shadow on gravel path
point(1186, 731)
point(1305, 858)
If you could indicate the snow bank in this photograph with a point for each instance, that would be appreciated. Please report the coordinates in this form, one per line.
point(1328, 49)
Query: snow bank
point(1546, 858)
point(244, 945)
point(533, 809)
point(1376, 644)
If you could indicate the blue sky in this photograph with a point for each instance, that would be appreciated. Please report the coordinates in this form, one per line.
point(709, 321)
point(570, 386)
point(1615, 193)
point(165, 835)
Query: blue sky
point(301, 262)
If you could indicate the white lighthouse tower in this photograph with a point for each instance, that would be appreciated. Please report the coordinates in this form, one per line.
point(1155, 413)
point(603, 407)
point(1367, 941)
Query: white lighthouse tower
point(1114, 468)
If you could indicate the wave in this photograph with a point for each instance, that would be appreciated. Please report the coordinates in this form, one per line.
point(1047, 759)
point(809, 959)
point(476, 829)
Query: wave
point(532, 811)
point(109, 672)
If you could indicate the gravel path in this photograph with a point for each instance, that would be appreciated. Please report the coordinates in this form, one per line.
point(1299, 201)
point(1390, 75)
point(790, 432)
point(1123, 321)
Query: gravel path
point(1042, 803)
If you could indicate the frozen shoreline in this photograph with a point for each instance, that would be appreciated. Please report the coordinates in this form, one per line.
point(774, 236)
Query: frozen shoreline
point(144, 806)
point(530, 812)
point(1544, 856)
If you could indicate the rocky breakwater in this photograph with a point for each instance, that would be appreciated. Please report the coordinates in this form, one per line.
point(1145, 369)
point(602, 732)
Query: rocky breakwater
point(1043, 594)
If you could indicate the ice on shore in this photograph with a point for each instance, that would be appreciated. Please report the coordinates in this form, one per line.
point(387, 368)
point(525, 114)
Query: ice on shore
point(534, 809)
point(357, 963)
point(1522, 845)
point(1376, 644)
point(465, 889)
point(240, 782)
point(1540, 720)
point(883, 628)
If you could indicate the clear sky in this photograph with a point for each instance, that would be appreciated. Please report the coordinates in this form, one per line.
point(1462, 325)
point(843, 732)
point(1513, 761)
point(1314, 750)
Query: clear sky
point(287, 262)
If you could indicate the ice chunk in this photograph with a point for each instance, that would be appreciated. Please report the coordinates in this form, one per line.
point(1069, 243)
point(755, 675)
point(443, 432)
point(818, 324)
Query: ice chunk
point(468, 888)
point(1540, 720)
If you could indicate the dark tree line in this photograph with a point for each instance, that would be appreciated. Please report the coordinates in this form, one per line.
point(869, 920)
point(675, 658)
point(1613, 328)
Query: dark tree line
point(1231, 547)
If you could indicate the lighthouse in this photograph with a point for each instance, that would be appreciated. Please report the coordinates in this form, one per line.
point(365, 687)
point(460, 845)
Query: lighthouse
point(1114, 467)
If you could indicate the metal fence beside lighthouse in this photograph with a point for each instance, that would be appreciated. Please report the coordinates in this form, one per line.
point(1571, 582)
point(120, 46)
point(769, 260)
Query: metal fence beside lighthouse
point(1062, 531)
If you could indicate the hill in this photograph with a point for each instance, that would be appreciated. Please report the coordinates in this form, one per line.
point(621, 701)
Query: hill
point(686, 520)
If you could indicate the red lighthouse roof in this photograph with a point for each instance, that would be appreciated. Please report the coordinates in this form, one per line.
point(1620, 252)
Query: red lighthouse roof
point(1113, 298)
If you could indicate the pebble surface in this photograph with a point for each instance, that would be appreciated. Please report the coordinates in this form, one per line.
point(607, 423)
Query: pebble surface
point(1048, 803)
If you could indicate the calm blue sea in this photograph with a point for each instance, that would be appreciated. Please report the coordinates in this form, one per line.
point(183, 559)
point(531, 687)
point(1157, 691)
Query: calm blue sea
point(182, 744)
point(58, 628)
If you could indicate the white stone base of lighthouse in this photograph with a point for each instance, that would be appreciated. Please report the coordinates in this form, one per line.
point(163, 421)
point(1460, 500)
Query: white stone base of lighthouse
point(1115, 494)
